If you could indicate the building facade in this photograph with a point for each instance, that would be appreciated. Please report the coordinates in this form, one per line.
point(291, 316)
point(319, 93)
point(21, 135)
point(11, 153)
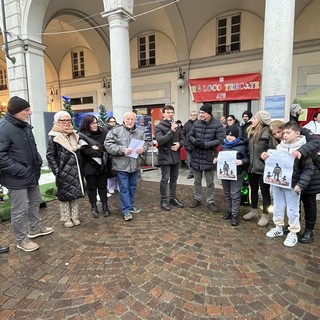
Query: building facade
point(144, 54)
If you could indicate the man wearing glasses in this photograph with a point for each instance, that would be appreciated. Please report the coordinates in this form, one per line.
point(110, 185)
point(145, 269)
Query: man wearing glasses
point(205, 135)
point(187, 145)
point(20, 165)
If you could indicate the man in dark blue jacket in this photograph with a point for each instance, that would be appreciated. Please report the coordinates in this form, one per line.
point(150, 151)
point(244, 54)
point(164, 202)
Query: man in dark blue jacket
point(20, 165)
point(169, 138)
point(205, 135)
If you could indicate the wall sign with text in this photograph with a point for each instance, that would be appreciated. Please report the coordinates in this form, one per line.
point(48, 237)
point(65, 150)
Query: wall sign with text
point(224, 88)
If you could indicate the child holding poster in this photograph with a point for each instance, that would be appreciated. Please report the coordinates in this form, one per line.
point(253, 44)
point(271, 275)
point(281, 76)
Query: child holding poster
point(232, 187)
point(290, 198)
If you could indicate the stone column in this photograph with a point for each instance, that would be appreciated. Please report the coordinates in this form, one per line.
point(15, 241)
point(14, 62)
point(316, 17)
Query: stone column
point(119, 13)
point(26, 79)
point(277, 50)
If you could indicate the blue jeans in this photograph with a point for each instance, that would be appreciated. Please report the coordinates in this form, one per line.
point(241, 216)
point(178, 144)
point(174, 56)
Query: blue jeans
point(128, 184)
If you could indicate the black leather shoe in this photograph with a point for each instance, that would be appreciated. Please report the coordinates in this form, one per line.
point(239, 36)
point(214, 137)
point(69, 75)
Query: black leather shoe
point(234, 220)
point(165, 205)
point(212, 207)
point(227, 215)
point(190, 176)
point(4, 249)
point(105, 210)
point(306, 237)
point(176, 203)
point(285, 229)
point(195, 203)
point(94, 210)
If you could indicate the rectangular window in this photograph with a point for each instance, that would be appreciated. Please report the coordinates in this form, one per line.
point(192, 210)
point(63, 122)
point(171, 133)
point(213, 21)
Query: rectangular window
point(147, 51)
point(81, 100)
point(228, 35)
point(3, 79)
point(77, 59)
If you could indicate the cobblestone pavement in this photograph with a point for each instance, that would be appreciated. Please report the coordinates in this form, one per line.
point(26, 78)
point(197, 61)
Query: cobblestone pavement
point(184, 264)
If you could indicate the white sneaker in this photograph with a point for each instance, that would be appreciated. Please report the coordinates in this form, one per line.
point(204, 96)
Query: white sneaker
point(111, 191)
point(275, 232)
point(291, 240)
point(109, 195)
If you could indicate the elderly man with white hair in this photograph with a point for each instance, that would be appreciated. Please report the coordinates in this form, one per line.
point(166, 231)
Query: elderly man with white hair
point(126, 167)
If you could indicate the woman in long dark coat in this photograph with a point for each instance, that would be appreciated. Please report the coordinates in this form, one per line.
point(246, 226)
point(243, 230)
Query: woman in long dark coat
point(63, 159)
point(94, 164)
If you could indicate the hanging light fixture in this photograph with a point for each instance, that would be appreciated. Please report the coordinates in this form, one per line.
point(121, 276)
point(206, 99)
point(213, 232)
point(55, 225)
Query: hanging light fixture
point(106, 85)
point(52, 95)
point(181, 81)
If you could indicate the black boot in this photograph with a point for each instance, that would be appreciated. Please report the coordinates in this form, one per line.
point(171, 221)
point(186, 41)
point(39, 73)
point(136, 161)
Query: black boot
point(105, 209)
point(306, 237)
point(165, 205)
point(227, 215)
point(94, 210)
point(234, 220)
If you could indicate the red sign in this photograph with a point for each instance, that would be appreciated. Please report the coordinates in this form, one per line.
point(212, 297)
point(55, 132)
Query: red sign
point(224, 88)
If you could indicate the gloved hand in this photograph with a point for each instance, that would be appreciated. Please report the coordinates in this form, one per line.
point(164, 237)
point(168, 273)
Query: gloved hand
point(199, 143)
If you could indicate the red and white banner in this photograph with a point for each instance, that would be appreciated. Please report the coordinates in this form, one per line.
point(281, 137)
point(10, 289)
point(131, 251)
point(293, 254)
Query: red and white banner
point(224, 88)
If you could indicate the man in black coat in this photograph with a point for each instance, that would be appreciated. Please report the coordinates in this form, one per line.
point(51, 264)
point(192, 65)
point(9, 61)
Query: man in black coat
point(187, 145)
point(20, 165)
point(169, 138)
point(206, 135)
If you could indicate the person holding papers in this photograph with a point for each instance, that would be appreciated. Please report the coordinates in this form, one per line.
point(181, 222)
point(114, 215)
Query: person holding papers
point(170, 139)
point(125, 143)
point(232, 188)
point(289, 199)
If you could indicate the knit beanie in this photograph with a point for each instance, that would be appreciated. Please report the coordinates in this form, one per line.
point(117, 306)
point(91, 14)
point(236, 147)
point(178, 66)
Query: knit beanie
point(248, 113)
point(263, 117)
point(294, 108)
point(59, 115)
point(16, 105)
point(206, 107)
point(232, 131)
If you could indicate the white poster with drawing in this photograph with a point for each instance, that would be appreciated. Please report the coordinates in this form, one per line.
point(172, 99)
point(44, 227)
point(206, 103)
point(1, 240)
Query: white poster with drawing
point(226, 165)
point(278, 169)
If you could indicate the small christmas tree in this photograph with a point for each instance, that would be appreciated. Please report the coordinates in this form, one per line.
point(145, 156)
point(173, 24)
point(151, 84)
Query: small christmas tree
point(67, 107)
point(102, 115)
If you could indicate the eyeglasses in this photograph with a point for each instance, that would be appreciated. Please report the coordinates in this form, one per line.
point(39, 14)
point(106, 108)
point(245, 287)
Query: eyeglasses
point(94, 123)
point(65, 120)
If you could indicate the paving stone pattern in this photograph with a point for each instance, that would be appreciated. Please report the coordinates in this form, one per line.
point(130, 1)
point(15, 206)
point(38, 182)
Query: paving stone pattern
point(185, 264)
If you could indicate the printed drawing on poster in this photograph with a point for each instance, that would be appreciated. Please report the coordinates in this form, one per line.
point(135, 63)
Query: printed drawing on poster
point(226, 165)
point(278, 169)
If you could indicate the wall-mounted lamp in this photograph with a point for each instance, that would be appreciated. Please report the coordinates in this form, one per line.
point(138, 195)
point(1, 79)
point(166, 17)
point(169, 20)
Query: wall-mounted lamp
point(106, 85)
point(52, 94)
point(181, 81)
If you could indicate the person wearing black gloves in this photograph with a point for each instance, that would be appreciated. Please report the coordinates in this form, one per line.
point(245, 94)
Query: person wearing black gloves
point(206, 135)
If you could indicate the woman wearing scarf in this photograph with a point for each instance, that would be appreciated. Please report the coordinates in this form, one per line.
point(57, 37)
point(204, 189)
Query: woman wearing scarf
point(232, 188)
point(94, 162)
point(63, 159)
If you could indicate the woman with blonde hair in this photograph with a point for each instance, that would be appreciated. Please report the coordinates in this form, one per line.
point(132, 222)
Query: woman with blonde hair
point(258, 142)
point(63, 159)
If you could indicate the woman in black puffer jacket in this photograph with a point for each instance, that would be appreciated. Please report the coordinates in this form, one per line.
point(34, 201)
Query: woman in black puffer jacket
point(63, 159)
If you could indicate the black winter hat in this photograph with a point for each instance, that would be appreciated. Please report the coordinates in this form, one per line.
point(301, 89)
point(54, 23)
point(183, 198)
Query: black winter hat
point(206, 107)
point(16, 104)
point(248, 113)
point(232, 131)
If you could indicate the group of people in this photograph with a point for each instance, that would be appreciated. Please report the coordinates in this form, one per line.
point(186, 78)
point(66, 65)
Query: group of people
point(71, 156)
point(93, 153)
point(251, 141)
